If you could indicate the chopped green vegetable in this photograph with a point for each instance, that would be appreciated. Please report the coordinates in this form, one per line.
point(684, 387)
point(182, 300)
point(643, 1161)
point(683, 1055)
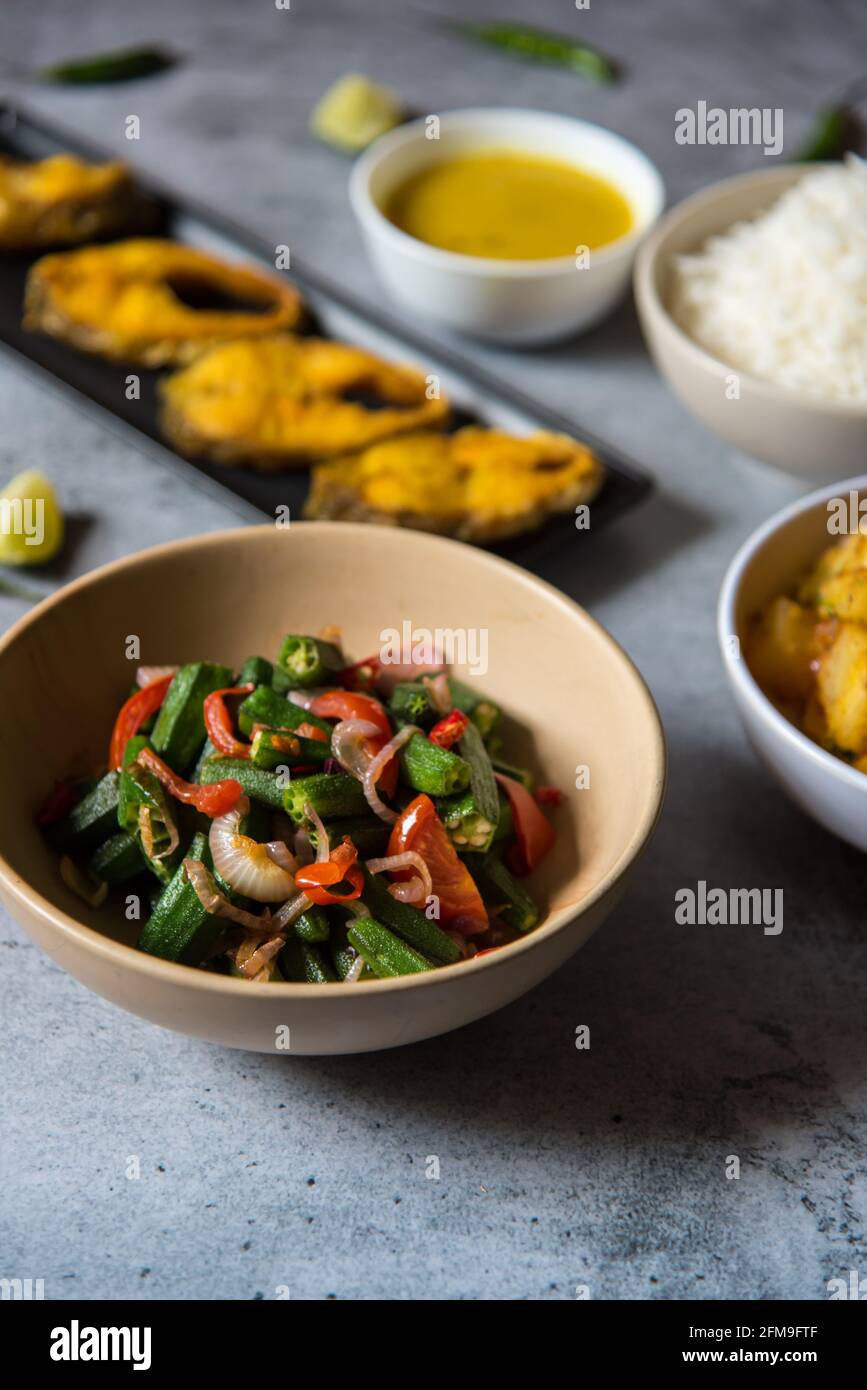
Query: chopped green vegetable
point(384, 952)
point(525, 41)
point(122, 65)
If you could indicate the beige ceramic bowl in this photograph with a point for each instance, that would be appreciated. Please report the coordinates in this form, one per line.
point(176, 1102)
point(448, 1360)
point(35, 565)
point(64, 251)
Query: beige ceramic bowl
point(801, 434)
point(575, 698)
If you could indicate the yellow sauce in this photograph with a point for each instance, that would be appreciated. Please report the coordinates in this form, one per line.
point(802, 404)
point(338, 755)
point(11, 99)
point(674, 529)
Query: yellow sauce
point(509, 206)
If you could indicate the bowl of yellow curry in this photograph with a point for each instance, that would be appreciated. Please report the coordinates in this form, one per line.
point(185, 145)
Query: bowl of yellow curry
point(792, 626)
point(513, 226)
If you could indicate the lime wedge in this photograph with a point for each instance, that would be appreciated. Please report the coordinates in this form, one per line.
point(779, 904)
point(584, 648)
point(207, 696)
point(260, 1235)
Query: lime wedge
point(353, 112)
point(31, 522)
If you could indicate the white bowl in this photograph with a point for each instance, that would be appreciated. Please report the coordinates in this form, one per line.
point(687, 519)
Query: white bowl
point(829, 790)
point(802, 434)
point(520, 302)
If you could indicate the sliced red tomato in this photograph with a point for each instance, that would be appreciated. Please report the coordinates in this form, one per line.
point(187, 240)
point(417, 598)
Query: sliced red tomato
point(212, 800)
point(535, 834)
point(218, 721)
point(321, 881)
point(139, 707)
point(419, 828)
point(348, 704)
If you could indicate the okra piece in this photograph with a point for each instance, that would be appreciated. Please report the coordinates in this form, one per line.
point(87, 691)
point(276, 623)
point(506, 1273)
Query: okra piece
point(483, 784)
point(313, 925)
point(343, 956)
point(468, 828)
point(256, 670)
point(505, 823)
point(368, 833)
point(255, 782)
point(90, 822)
point(273, 748)
point(179, 732)
point(429, 768)
point(384, 952)
point(411, 703)
point(484, 713)
point(500, 889)
point(332, 794)
point(208, 751)
point(265, 706)
point(179, 928)
point(117, 860)
point(309, 660)
point(410, 924)
point(128, 793)
point(318, 969)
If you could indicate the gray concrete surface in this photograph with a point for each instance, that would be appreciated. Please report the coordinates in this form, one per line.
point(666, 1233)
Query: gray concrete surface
point(558, 1168)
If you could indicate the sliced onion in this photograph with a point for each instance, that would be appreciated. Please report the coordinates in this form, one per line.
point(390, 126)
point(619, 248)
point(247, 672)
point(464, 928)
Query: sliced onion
point(304, 851)
point(254, 963)
point(257, 871)
point(438, 689)
point(323, 843)
point(145, 675)
point(213, 901)
point(87, 886)
point(392, 673)
point(146, 829)
point(417, 889)
point(278, 850)
point(289, 911)
point(304, 698)
point(374, 770)
point(354, 972)
point(348, 745)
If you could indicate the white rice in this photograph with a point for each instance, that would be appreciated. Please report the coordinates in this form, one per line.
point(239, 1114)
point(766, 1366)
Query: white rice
point(785, 297)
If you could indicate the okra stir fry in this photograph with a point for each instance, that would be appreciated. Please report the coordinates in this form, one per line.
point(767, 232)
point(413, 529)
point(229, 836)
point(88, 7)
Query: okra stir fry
point(307, 820)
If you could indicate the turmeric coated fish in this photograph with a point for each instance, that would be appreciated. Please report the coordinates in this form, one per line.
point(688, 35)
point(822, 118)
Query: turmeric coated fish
point(478, 484)
point(63, 200)
point(281, 401)
point(152, 302)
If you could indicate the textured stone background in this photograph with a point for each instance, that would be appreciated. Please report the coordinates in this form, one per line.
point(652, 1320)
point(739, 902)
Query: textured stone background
point(558, 1167)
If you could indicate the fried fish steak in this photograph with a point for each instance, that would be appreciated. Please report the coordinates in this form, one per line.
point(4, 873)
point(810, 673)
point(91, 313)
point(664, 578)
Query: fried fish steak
point(152, 302)
point(280, 402)
point(477, 485)
point(62, 201)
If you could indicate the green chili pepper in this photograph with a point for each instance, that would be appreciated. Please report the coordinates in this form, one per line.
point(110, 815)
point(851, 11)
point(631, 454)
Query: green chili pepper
point(121, 65)
point(828, 136)
point(525, 41)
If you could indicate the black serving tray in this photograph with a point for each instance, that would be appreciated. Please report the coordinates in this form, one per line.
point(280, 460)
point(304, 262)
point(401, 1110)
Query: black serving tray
point(477, 396)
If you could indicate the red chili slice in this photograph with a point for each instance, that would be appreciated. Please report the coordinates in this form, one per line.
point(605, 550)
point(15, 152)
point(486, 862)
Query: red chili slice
point(449, 730)
point(139, 707)
point(218, 721)
point(319, 881)
point(345, 704)
point(213, 800)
